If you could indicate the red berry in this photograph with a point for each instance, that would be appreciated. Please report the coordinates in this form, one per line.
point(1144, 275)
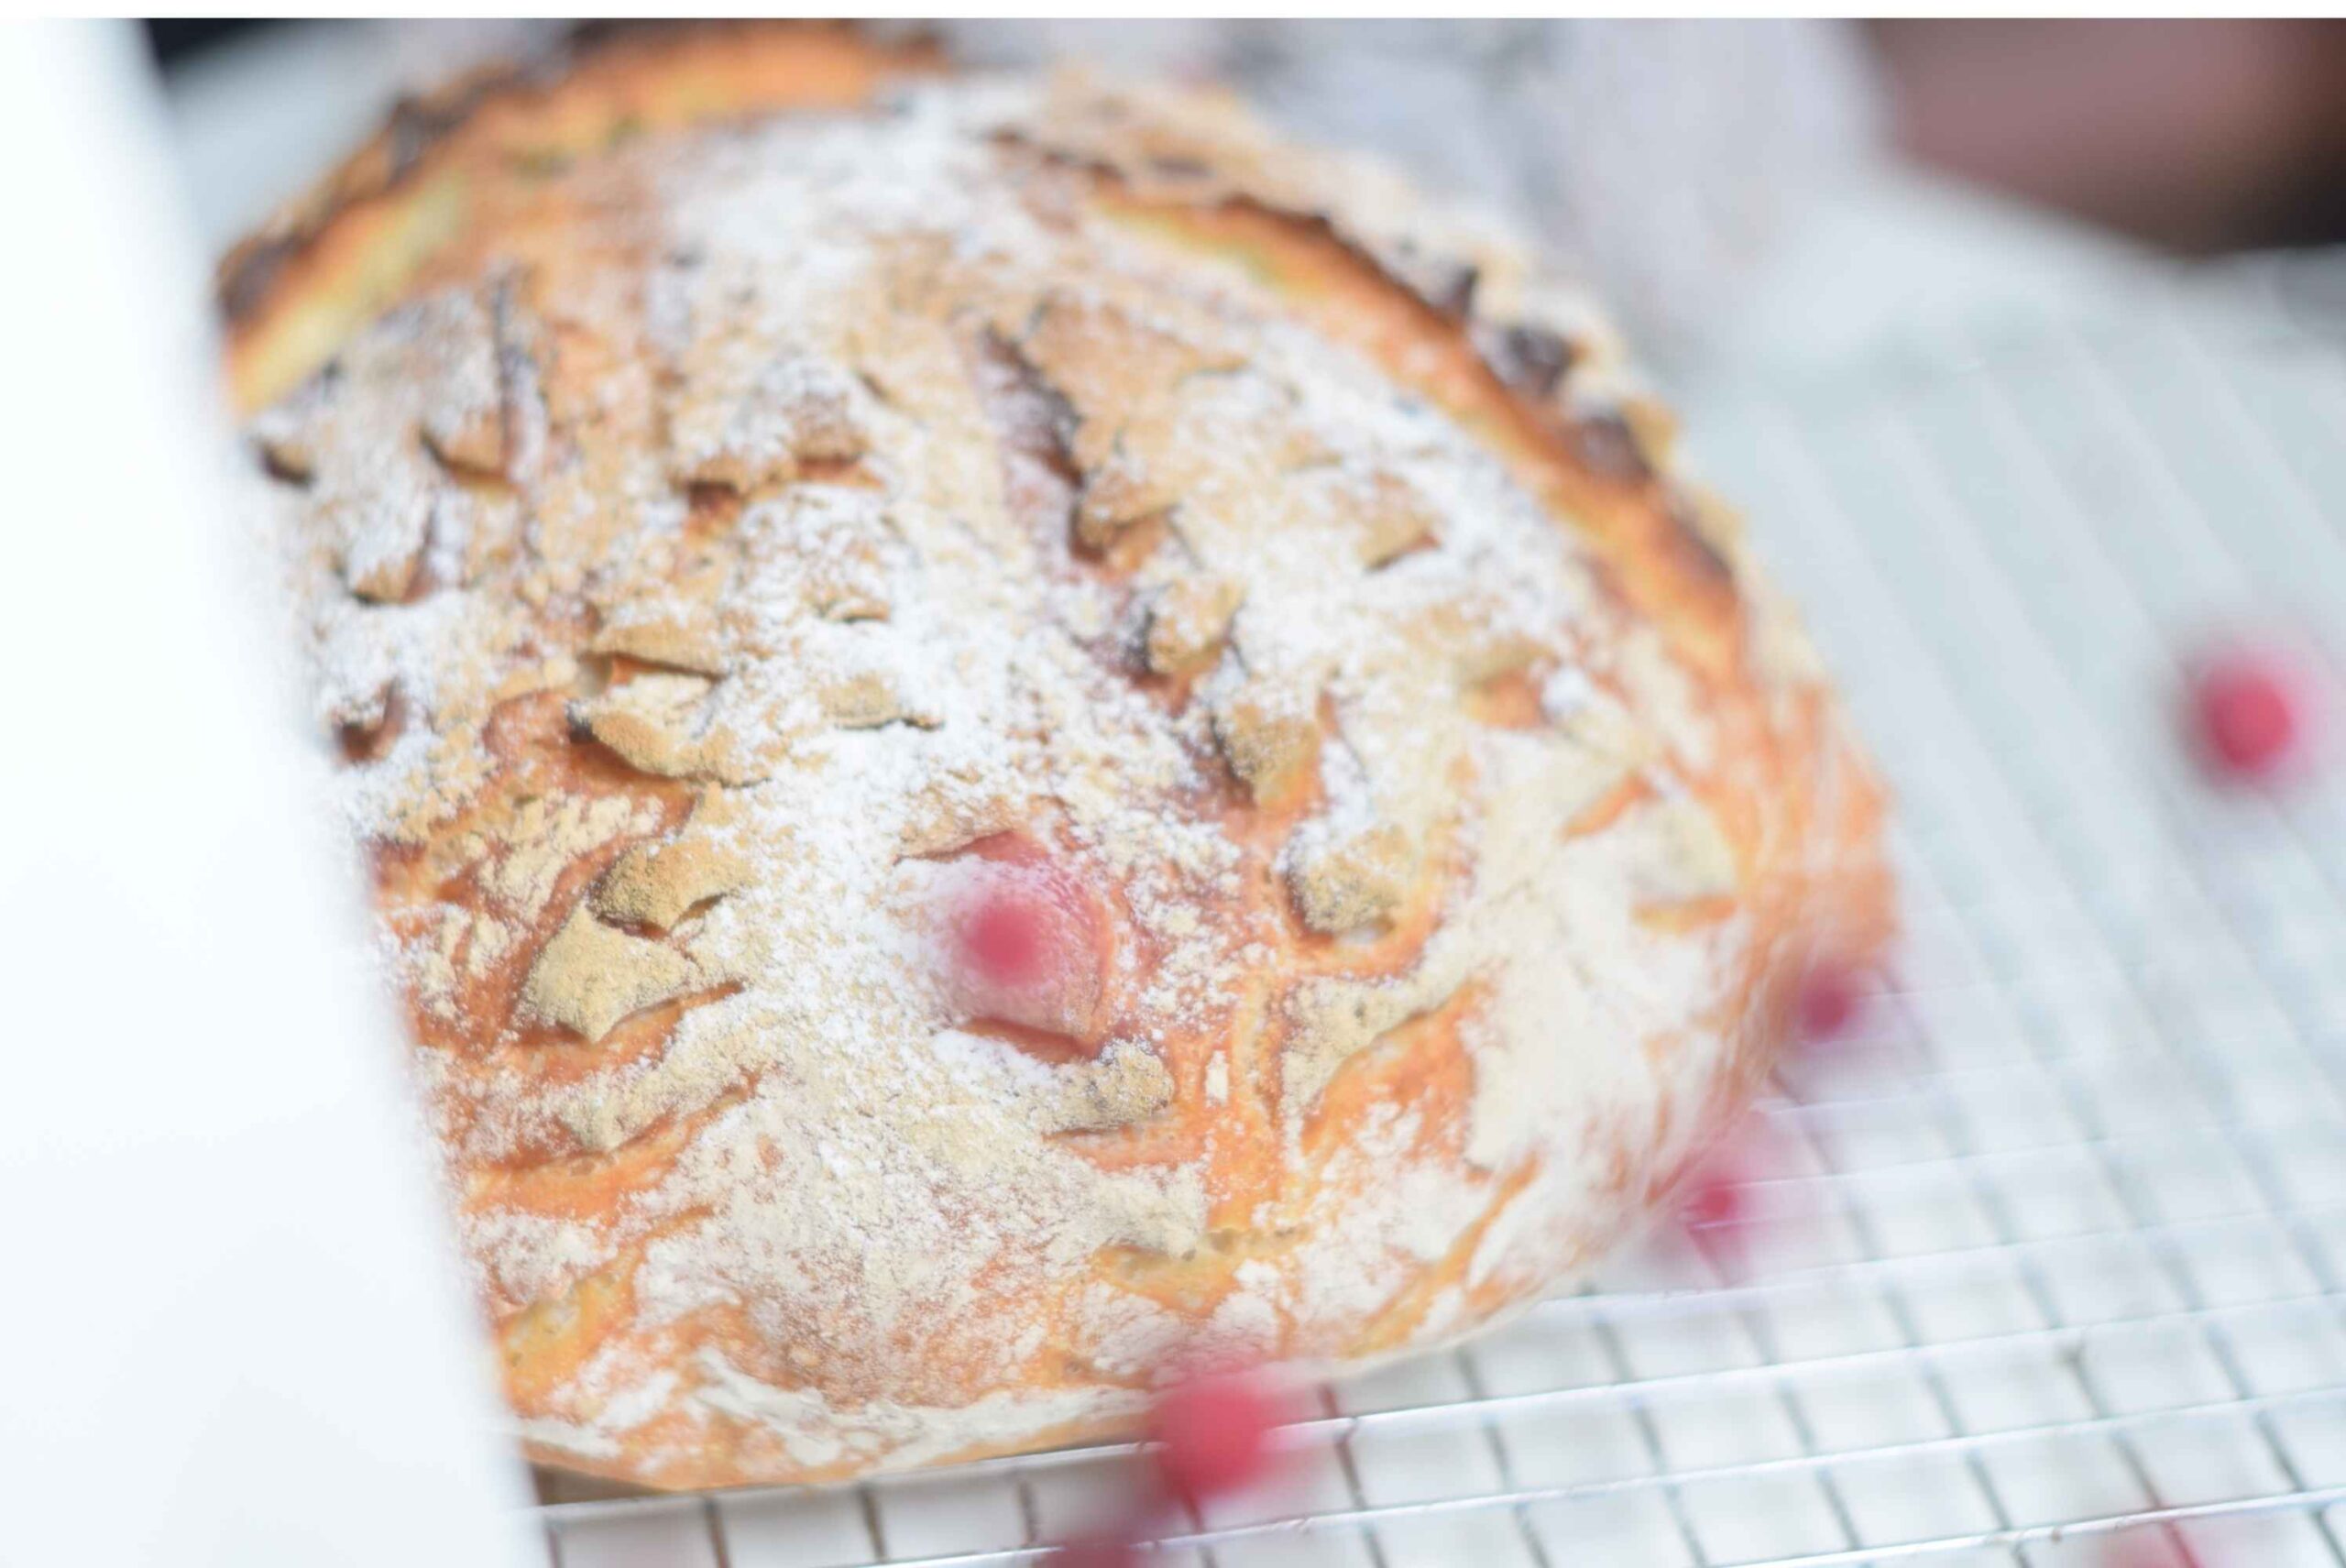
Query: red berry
point(1715, 1206)
point(2244, 714)
point(1712, 1200)
point(2147, 1549)
point(1213, 1435)
point(1026, 946)
point(1006, 938)
point(1717, 1192)
point(1094, 1552)
point(1830, 998)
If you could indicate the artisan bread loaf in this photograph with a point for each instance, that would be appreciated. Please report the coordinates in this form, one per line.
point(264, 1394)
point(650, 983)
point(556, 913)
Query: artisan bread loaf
point(1012, 741)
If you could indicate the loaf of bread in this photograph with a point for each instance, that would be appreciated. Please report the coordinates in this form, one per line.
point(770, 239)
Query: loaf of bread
point(1011, 742)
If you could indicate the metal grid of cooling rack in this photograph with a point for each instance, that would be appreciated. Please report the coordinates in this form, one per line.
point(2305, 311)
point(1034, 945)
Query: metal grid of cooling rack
point(2051, 1255)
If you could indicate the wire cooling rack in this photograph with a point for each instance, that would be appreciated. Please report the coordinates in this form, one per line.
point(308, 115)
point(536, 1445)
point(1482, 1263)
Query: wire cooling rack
point(2045, 1268)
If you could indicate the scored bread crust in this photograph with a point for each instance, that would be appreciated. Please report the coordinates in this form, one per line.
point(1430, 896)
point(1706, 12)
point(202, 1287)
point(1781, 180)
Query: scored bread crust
point(747, 494)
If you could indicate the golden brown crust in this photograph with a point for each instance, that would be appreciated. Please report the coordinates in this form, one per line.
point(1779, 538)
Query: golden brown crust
point(358, 234)
point(742, 553)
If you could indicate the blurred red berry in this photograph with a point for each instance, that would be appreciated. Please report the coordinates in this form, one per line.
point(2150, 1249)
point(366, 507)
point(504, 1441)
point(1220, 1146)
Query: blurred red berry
point(1026, 944)
point(1713, 1199)
point(2147, 1549)
point(1712, 1213)
point(1215, 1435)
point(1006, 938)
point(2244, 713)
point(1094, 1552)
point(1831, 996)
point(1716, 1202)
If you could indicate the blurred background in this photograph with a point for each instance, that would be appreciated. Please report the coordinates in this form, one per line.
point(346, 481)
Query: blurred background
point(1696, 172)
